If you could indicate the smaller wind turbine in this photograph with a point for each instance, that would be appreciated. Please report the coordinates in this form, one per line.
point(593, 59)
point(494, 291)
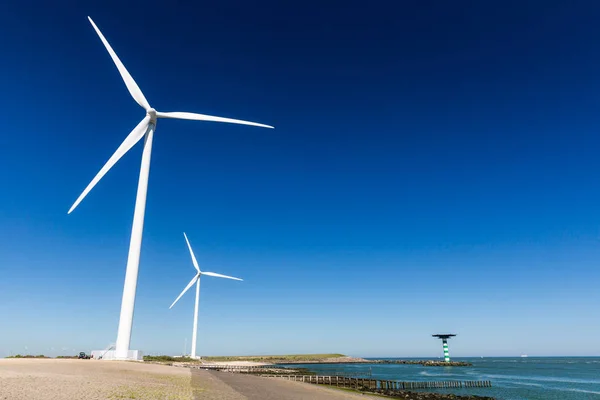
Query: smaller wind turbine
point(196, 280)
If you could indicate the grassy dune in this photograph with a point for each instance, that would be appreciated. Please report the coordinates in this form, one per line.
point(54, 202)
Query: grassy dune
point(27, 356)
point(276, 358)
point(169, 359)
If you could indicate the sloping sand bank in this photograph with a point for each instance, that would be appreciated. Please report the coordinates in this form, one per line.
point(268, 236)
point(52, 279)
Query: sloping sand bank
point(213, 385)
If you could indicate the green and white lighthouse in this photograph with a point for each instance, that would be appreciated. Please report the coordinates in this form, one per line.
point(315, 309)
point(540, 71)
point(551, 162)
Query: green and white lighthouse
point(445, 337)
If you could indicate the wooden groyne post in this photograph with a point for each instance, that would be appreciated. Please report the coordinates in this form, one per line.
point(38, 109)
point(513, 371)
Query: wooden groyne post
point(375, 384)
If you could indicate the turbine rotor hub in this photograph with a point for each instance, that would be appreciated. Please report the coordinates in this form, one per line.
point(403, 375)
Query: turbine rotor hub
point(151, 112)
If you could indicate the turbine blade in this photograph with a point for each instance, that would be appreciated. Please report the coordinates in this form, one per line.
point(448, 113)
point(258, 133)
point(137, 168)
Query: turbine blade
point(133, 88)
point(192, 253)
point(186, 289)
point(202, 117)
point(220, 276)
point(136, 134)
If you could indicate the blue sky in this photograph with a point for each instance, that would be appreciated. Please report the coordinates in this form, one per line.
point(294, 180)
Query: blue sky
point(433, 168)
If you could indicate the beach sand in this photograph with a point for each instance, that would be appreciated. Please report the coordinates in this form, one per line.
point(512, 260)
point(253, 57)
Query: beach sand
point(51, 379)
point(41, 379)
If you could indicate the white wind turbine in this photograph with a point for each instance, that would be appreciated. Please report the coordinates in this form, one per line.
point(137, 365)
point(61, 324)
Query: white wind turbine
point(196, 280)
point(145, 129)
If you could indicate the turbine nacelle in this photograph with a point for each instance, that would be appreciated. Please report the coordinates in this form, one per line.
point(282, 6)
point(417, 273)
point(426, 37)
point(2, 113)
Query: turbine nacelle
point(151, 112)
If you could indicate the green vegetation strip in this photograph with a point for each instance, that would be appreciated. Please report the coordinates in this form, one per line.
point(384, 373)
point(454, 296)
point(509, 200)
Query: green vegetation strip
point(27, 356)
point(275, 358)
point(169, 359)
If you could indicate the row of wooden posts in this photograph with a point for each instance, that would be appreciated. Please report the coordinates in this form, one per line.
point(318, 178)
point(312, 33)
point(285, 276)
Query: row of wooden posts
point(380, 384)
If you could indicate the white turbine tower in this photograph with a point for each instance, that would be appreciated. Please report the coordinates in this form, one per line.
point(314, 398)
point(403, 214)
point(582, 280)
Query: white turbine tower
point(196, 280)
point(145, 129)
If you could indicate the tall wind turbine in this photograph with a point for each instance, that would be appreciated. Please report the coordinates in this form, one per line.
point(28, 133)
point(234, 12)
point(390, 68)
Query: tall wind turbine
point(196, 280)
point(145, 129)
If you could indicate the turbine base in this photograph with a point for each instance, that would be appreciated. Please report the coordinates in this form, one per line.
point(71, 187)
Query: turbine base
point(111, 355)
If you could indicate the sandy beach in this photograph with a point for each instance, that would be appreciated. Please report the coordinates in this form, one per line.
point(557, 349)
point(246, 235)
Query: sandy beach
point(51, 379)
point(37, 379)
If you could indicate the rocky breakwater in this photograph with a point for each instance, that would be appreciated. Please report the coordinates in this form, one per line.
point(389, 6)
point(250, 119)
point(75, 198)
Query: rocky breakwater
point(424, 396)
point(329, 360)
point(427, 363)
point(357, 360)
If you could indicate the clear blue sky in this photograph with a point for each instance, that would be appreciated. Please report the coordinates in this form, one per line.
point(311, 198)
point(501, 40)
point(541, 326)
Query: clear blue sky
point(434, 168)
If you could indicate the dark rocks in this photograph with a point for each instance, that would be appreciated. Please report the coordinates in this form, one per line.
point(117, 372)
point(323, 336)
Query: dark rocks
point(427, 363)
point(422, 396)
point(348, 360)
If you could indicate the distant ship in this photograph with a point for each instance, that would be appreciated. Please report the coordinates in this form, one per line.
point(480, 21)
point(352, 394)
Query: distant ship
point(524, 355)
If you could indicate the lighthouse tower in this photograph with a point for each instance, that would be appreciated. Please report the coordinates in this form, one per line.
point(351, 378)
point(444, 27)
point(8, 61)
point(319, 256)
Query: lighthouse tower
point(445, 337)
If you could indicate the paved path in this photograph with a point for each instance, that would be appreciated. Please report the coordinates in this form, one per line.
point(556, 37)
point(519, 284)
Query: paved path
point(215, 385)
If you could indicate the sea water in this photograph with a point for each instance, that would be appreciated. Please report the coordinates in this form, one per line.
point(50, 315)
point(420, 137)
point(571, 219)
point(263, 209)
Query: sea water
point(523, 378)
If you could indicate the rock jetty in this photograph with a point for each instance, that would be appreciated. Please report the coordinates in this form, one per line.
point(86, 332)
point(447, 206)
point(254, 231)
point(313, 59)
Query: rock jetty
point(354, 360)
point(427, 363)
point(423, 396)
